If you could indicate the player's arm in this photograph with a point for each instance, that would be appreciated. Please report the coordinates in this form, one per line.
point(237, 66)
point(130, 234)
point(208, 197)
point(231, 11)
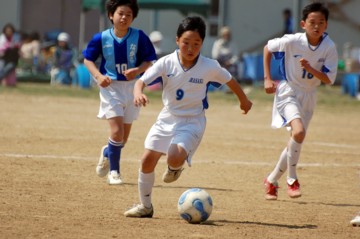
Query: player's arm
point(131, 73)
point(323, 77)
point(140, 99)
point(269, 84)
point(245, 103)
point(102, 80)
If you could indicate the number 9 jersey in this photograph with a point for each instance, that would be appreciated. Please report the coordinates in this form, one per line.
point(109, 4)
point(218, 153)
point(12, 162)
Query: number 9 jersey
point(185, 90)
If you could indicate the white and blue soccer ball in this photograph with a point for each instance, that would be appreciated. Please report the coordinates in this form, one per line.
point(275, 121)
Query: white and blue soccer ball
point(195, 205)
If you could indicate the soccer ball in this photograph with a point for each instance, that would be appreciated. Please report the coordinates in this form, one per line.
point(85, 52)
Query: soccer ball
point(195, 205)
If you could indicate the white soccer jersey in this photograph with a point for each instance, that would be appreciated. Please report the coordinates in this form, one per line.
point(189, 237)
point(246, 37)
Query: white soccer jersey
point(292, 47)
point(185, 91)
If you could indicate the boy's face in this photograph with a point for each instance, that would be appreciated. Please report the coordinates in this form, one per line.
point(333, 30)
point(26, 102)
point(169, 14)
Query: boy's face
point(189, 45)
point(314, 25)
point(122, 17)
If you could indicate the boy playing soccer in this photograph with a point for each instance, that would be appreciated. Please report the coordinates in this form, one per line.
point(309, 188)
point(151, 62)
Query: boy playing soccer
point(179, 128)
point(125, 53)
point(307, 60)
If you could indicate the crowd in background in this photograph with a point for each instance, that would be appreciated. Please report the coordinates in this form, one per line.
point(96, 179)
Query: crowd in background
point(26, 54)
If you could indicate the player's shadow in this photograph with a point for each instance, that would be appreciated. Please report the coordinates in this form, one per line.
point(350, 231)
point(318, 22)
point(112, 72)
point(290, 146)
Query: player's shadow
point(322, 203)
point(220, 222)
point(187, 187)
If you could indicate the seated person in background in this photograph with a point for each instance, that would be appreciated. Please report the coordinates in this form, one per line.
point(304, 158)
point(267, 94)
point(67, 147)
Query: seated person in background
point(225, 52)
point(63, 61)
point(9, 55)
point(29, 52)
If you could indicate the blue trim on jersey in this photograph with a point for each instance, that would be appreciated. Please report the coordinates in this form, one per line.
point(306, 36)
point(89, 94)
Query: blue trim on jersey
point(195, 61)
point(157, 80)
point(325, 70)
point(321, 40)
point(280, 55)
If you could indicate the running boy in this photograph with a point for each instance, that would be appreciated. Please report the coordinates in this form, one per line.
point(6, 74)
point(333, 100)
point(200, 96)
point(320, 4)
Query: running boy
point(308, 59)
point(179, 128)
point(125, 53)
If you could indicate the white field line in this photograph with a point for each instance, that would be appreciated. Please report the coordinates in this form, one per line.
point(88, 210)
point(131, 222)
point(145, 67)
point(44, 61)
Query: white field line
point(228, 162)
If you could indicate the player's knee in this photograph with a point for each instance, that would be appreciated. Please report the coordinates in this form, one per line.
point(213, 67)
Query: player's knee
point(175, 161)
point(299, 135)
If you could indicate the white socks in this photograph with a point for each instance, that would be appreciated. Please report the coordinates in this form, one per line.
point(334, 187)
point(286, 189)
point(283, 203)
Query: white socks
point(146, 183)
point(288, 160)
point(280, 167)
point(293, 155)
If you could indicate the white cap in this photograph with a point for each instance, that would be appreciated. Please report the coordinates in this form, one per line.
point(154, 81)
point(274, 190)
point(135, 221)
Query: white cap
point(155, 36)
point(63, 37)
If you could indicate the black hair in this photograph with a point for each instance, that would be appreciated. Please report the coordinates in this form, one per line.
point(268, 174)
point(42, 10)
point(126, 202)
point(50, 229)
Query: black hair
point(8, 25)
point(112, 5)
point(192, 24)
point(287, 11)
point(315, 7)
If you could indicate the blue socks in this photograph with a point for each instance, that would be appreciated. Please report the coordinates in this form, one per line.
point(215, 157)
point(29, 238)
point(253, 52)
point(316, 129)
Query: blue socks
point(113, 152)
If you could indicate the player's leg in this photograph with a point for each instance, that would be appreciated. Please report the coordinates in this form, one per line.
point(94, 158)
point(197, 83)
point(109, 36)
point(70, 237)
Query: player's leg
point(175, 160)
point(298, 133)
point(183, 145)
point(113, 151)
point(146, 181)
point(271, 182)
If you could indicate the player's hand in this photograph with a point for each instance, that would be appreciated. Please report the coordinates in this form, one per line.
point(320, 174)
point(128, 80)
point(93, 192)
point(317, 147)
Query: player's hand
point(103, 81)
point(304, 64)
point(246, 106)
point(270, 86)
point(131, 74)
point(140, 100)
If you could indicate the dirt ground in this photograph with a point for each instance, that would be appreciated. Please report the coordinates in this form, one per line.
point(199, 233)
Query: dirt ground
point(49, 148)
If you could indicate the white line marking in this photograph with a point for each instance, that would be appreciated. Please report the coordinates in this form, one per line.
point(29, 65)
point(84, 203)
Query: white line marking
point(235, 162)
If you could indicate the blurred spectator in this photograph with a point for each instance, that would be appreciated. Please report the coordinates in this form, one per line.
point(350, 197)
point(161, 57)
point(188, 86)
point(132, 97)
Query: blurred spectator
point(9, 54)
point(46, 57)
point(156, 39)
point(288, 21)
point(63, 60)
point(226, 52)
point(29, 52)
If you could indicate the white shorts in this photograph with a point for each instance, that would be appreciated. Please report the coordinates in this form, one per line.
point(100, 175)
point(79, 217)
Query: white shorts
point(291, 103)
point(118, 100)
point(168, 129)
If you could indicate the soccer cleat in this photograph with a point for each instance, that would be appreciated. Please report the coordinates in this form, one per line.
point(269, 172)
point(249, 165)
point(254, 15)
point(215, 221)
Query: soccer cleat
point(293, 190)
point(356, 221)
point(103, 165)
point(171, 175)
point(270, 190)
point(114, 178)
point(140, 211)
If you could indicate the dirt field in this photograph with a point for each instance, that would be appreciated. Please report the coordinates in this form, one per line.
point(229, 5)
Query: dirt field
point(49, 148)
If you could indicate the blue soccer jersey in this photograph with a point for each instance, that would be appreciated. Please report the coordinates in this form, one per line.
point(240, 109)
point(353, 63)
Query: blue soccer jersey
point(119, 54)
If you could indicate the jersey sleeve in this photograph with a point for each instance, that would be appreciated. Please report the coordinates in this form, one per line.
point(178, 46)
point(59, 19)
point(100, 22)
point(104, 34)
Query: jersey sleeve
point(94, 48)
point(153, 73)
point(331, 64)
point(277, 46)
point(220, 75)
point(146, 51)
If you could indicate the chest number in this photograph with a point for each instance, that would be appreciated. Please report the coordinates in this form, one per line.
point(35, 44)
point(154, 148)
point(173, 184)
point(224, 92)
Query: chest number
point(307, 75)
point(121, 68)
point(179, 94)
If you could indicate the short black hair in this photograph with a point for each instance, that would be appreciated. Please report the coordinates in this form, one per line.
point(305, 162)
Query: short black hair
point(315, 7)
point(112, 5)
point(8, 25)
point(192, 24)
